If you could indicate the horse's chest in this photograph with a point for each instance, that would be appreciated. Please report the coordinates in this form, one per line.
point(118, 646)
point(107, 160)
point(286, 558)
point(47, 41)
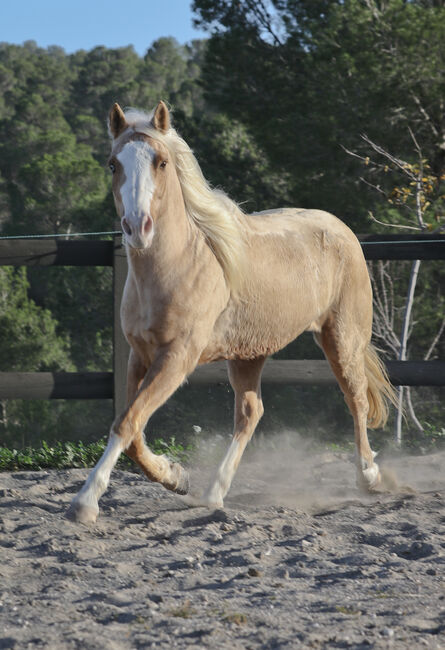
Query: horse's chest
point(141, 337)
point(137, 316)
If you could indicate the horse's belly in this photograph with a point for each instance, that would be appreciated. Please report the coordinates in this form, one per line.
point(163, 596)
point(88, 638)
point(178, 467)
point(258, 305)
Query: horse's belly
point(260, 328)
point(267, 333)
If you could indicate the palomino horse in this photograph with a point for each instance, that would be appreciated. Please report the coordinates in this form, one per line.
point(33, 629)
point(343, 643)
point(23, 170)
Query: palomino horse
point(206, 282)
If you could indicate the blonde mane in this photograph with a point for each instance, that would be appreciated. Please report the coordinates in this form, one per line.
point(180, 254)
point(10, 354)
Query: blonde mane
point(218, 217)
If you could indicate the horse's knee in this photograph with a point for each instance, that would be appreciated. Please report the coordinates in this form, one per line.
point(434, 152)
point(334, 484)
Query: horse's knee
point(249, 415)
point(252, 406)
point(127, 431)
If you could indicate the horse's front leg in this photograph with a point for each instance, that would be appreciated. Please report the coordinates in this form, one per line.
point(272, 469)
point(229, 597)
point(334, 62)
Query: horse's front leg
point(170, 367)
point(138, 450)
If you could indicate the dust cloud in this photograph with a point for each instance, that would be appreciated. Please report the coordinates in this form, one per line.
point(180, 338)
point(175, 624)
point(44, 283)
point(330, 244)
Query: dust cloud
point(286, 469)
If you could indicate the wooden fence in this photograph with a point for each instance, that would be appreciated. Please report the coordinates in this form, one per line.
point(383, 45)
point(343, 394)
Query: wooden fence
point(111, 385)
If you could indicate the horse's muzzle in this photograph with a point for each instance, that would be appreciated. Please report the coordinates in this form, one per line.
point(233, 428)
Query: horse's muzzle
point(138, 231)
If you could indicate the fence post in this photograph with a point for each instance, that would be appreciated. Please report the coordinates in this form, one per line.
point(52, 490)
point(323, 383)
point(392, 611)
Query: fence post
point(121, 348)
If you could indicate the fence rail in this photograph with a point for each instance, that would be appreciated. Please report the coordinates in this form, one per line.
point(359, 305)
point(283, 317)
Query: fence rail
point(403, 247)
point(107, 385)
point(99, 385)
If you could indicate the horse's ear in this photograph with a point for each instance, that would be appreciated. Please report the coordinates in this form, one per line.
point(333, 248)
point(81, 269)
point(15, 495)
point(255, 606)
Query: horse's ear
point(116, 121)
point(161, 118)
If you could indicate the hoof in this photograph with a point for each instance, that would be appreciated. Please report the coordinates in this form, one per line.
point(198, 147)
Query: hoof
point(82, 514)
point(179, 482)
point(212, 499)
point(212, 504)
point(367, 486)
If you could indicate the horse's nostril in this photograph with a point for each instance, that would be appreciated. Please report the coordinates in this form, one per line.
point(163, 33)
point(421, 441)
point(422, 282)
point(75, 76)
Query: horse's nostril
point(148, 225)
point(125, 227)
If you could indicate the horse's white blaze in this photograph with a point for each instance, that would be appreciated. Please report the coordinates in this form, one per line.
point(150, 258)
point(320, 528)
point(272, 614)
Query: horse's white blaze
point(224, 476)
point(97, 481)
point(137, 190)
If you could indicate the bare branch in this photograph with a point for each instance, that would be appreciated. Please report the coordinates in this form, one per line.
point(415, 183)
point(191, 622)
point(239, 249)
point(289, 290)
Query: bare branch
point(425, 115)
point(374, 187)
point(416, 144)
point(435, 341)
point(393, 225)
point(401, 164)
point(259, 9)
point(367, 160)
point(384, 308)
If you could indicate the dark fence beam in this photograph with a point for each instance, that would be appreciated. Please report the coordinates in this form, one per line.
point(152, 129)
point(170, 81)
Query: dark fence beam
point(101, 385)
point(303, 373)
point(416, 373)
point(55, 252)
point(299, 373)
point(56, 385)
point(403, 247)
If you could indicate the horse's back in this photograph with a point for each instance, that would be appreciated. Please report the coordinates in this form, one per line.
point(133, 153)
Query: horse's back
point(304, 224)
point(315, 245)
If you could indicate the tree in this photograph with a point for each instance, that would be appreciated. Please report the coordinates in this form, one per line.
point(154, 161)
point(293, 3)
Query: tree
point(29, 341)
point(419, 194)
point(28, 334)
point(307, 76)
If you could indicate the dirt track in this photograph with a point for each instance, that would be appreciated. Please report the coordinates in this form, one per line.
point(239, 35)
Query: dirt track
point(296, 559)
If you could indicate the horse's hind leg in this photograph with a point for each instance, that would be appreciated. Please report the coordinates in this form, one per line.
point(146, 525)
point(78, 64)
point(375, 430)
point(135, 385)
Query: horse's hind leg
point(245, 378)
point(345, 347)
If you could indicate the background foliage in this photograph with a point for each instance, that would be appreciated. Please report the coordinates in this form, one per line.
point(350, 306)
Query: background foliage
point(267, 103)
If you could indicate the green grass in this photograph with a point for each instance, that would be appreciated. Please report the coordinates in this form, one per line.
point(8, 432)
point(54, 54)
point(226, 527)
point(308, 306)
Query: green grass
point(67, 455)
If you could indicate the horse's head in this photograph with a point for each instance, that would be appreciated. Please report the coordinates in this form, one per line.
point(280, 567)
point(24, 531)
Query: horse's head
point(139, 164)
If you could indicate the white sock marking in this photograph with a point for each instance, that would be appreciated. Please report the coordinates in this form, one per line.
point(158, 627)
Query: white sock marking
point(97, 481)
point(224, 476)
point(370, 474)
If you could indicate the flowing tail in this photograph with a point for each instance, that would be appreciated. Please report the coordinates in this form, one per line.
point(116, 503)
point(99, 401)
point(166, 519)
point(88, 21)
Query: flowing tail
point(380, 390)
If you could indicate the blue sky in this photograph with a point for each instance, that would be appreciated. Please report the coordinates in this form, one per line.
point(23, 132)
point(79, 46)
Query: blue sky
point(83, 24)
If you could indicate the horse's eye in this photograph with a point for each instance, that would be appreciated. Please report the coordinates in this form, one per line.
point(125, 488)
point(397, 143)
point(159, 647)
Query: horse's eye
point(163, 164)
point(112, 167)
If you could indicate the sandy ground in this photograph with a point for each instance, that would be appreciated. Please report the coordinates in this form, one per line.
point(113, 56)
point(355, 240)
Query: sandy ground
point(297, 558)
